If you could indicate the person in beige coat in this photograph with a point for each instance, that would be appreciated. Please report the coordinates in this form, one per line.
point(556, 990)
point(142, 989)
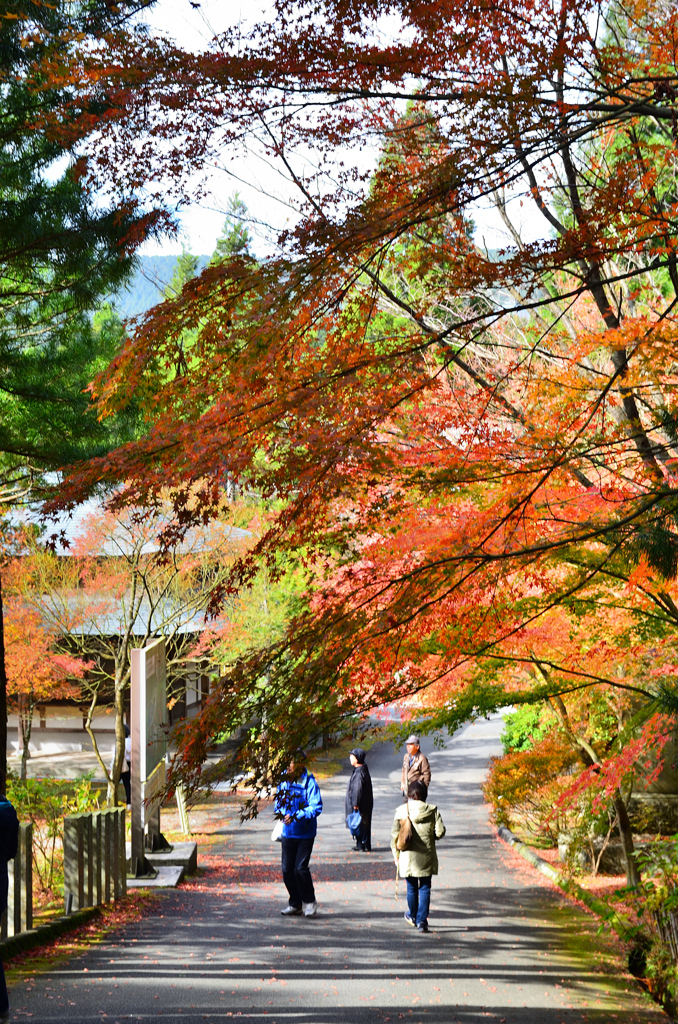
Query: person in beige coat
point(418, 864)
point(415, 766)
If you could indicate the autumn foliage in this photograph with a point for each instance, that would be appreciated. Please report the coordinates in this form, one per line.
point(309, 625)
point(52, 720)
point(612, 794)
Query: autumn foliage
point(524, 788)
point(468, 449)
point(36, 670)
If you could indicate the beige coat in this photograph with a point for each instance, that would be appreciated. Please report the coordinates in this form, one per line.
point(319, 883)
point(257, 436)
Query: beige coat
point(421, 860)
point(420, 769)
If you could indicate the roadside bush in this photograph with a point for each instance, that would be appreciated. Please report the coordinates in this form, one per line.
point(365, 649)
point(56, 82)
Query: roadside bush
point(653, 905)
point(522, 788)
point(590, 828)
point(44, 803)
point(661, 974)
point(526, 726)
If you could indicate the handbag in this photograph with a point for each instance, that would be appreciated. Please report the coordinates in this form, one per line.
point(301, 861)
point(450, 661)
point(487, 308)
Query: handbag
point(276, 834)
point(406, 833)
point(353, 821)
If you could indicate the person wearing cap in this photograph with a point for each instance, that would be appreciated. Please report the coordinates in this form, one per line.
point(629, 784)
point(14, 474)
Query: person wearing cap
point(359, 797)
point(415, 766)
point(298, 802)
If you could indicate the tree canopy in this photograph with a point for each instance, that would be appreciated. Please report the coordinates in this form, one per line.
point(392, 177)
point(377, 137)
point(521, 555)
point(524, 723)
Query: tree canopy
point(471, 450)
point(65, 246)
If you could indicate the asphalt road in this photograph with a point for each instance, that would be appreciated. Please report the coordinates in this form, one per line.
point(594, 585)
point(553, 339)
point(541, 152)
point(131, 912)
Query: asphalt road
point(503, 946)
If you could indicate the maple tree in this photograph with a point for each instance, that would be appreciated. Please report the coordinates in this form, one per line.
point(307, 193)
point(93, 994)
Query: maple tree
point(109, 593)
point(36, 671)
point(460, 438)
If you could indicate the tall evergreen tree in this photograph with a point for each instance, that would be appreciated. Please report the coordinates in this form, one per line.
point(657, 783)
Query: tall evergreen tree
point(235, 237)
point(185, 268)
point(62, 251)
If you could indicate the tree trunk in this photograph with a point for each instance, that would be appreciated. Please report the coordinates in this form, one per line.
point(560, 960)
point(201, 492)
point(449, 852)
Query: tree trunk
point(626, 836)
point(26, 709)
point(93, 739)
point(114, 778)
point(3, 704)
point(588, 757)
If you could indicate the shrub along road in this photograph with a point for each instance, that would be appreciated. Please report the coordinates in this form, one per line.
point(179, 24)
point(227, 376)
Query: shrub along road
point(503, 946)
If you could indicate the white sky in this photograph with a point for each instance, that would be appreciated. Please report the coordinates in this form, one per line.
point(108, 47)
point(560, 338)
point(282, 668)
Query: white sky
point(263, 188)
point(260, 186)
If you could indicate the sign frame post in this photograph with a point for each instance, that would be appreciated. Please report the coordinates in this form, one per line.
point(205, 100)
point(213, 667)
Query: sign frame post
point(148, 708)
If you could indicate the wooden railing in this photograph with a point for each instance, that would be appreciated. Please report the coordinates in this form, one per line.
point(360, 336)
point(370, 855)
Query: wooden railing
point(95, 864)
point(19, 914)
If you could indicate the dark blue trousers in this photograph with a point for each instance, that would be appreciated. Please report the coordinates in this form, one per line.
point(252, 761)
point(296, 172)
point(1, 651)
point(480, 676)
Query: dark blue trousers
point(418, 899)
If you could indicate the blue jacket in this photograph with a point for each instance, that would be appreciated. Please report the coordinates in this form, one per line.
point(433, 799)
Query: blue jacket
point(303, 801)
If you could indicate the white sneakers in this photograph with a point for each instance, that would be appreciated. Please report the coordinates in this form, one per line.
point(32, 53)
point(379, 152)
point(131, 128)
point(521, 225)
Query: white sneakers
point(307, 909)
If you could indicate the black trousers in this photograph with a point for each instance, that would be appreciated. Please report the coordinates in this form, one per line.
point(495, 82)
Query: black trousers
point(125, 779)
point(4, 998)
point(363, 837)
point(296, 853)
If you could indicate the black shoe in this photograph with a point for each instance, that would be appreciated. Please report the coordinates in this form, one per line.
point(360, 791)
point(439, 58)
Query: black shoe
point(422, 927)
point(410, 920)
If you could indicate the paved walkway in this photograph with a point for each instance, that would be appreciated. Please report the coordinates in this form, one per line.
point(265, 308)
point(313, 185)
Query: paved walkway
point(60, 766)
point(502, 947)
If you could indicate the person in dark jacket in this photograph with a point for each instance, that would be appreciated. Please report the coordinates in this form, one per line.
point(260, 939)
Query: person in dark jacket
point(9, 841)
point(359, 797)
point(299, 803)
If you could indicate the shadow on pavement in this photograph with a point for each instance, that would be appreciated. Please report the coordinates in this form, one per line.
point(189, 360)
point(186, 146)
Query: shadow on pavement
point(359, 869)
point(500, 950)
point(470, 1014)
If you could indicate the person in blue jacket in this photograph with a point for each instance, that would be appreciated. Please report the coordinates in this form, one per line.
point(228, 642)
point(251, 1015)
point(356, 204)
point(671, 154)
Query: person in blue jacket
point(299, 803)
point(9, 841)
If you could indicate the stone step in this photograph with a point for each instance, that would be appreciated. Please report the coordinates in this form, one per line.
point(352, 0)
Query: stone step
point(182, 855)
point(168, 877)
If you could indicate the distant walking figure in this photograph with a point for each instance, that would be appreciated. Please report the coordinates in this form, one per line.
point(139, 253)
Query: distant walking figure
point(415, 766)
point(299, 802)
point(359, 798)
point(125, 774)
point(9, 841)
point(419, 861)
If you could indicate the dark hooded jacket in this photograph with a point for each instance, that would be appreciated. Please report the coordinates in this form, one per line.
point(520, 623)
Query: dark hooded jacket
point(9, 838)
point(359, 791)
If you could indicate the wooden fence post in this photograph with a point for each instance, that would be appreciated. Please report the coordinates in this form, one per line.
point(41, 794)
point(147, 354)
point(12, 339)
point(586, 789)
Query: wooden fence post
point(19, 917)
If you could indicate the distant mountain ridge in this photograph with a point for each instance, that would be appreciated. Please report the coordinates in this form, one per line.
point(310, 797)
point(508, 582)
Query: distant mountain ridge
point(148, 283)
